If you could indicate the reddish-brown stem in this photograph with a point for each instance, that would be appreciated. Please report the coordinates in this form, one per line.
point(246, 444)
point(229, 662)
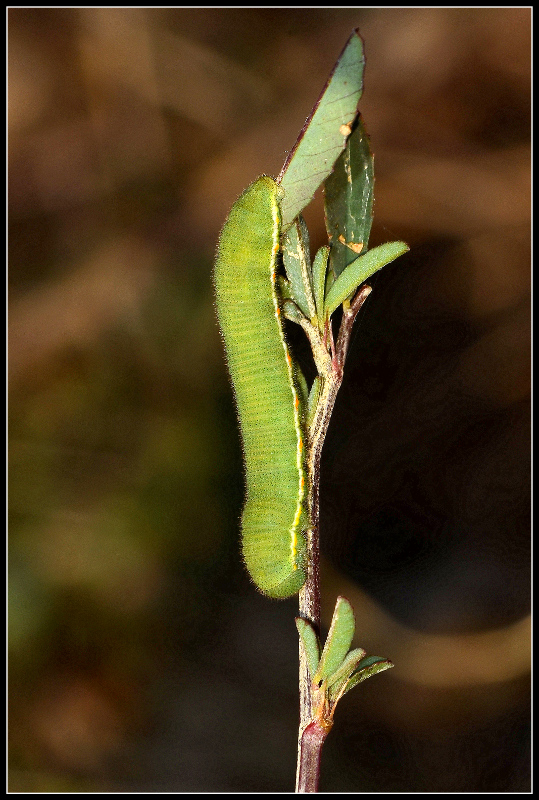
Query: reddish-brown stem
point(312, 730)
point(312, 739)
point(347, 322)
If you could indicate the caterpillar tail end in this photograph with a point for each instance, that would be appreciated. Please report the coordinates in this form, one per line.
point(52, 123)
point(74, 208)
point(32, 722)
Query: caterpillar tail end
point(274, 577)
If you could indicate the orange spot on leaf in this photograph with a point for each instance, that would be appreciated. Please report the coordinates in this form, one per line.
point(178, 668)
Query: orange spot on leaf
point(355, 247)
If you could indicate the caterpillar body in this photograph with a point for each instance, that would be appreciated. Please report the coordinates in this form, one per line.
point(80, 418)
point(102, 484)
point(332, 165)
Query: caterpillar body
point(262, 372)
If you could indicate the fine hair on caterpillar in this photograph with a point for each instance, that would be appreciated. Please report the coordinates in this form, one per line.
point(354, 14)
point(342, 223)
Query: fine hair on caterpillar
point(262, 371)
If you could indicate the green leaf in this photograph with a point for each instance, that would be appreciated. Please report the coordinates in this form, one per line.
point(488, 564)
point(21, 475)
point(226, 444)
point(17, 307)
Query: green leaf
point(320, 265)
point(285, 291)
point(292, 312)
point(324, 134)
point(311, 643)
point(330, 280)
point(314, 394)
point(297, 263)
point(366, 669)
point(361, 269)
point(338, 641)
point(343, 674)
point(348, 198)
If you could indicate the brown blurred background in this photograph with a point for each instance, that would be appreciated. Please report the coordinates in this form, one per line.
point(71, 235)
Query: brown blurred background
point(141, 659)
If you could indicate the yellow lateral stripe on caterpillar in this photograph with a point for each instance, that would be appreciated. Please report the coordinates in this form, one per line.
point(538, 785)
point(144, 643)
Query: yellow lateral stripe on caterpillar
point(297, 421)
point(264, 386)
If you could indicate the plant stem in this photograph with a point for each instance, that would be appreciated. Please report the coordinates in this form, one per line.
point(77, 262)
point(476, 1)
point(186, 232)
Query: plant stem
point(313, 726)
point(312, 739)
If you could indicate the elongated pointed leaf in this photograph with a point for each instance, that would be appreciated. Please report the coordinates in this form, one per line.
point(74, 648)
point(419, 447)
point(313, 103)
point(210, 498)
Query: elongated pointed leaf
point(343, 674)
point(314, 394)
point(348, 198)
point(297, 263)
point(371, 666)
point(348, 665)
point(330, 280)
point(285, 291)
point(310, 643)
point(361, 269)
point(292, 312)
point(338, 641)
point(324, 134)
point(320, 265)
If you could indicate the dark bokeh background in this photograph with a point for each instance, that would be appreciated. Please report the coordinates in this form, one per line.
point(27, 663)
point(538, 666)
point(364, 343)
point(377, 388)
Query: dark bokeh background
point(141, 659)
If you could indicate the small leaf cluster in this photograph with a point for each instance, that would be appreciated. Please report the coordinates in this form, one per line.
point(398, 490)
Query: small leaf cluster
point(336, 669)
point(315, 290)
point(332, 149)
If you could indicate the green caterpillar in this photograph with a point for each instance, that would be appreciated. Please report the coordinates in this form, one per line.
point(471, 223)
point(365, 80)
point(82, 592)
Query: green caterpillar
point(262, 372)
